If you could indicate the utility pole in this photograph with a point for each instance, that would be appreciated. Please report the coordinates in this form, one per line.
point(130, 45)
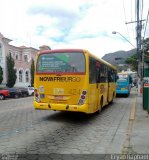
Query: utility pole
point(138, 44)
point(139, 53)
point(138, 39)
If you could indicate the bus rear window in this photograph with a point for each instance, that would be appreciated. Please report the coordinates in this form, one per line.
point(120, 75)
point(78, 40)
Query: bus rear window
point(61, 62)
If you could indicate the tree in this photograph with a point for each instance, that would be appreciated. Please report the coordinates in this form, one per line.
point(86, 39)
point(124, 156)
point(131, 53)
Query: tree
point(1, 74)
point(132, 61)
point(32, 70)
point(146, 44)
point(11, 72)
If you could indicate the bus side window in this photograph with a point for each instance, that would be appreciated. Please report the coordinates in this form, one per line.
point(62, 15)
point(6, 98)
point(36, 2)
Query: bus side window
point(112, 76)
point(103, 73)
point(109, 76)
point(92, 71)
point(98, 75)
point(98, 64)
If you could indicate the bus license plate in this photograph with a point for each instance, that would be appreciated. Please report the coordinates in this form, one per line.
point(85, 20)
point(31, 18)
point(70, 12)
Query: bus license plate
point(58, 97)
point(122, 88)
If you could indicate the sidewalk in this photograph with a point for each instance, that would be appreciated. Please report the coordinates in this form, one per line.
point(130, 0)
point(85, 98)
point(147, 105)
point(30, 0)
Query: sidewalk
point(138, 131)
point(139, 139)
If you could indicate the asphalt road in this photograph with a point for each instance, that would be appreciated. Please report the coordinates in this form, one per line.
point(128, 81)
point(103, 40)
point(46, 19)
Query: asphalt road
point(26, 131)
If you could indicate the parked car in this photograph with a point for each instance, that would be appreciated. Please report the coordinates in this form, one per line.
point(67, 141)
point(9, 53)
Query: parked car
point(14, 92)
point(4, 94)
point(30, 91)
point(24, 92)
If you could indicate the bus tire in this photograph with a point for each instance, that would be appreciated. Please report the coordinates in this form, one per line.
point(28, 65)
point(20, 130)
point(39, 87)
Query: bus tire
point(100, 107)
point(101, 102)
point(127, 95)
point(112, 99)
point(99, 110)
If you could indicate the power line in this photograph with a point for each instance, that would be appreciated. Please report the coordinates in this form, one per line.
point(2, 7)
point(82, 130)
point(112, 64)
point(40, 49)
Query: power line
point(141, 9)
point(125, 18)
point(146, 24)
point(131, 20)
point(131, 10)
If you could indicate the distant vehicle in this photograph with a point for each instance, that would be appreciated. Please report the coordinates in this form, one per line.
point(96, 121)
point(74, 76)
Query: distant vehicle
point(123, 84)
point(14, 92)
point(4, 94)
point(30, 91)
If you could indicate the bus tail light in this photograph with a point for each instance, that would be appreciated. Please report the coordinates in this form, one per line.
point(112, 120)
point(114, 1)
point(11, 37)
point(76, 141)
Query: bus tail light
point(36, 95)
point(82, 97)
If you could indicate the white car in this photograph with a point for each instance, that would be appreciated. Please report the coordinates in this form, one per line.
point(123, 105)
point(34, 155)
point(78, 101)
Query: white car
point(30, 91)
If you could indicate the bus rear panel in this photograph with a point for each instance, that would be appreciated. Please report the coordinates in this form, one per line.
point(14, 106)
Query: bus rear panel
point(61, 81)
point(73, 80)
point(123, 85)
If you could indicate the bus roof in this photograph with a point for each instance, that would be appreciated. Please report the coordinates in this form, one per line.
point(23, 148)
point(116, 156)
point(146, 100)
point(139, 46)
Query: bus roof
point(78, 50)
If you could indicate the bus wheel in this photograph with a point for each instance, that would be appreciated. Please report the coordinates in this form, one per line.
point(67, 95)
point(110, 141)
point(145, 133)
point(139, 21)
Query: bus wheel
point(101, 102)
point(100, 107)
point(99, 110)
point(127, 95)
point(112, 98)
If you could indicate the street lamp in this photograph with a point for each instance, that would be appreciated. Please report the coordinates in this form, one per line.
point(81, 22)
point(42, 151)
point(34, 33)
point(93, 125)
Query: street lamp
point(114, 32)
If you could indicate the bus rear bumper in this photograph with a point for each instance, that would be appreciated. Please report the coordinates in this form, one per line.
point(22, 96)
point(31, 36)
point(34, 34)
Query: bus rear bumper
point(122, 92)
point(61, 107)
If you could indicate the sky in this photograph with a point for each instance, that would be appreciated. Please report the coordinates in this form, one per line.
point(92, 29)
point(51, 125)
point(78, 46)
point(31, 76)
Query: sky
point(83, 24)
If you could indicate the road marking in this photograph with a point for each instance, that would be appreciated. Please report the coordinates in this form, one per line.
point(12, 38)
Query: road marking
point(133, 109)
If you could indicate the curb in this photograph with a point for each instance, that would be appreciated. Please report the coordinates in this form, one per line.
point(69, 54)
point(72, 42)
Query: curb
point(127, 148)
point(133, 110)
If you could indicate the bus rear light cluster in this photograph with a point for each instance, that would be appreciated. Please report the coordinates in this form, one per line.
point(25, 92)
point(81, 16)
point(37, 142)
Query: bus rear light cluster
point(82, 97)
point(36, 95)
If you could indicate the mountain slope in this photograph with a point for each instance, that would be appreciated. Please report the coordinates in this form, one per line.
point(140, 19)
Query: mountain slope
point(119, 57)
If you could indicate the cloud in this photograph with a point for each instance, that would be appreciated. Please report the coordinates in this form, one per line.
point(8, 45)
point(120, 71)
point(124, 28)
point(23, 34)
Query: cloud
point(62, 19)
point(70, 23)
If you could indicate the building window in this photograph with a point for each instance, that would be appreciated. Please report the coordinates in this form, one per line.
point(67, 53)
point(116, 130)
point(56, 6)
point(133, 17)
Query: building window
point(20, 76)
point(27, 76)
point(16, 57)
point(25, 58)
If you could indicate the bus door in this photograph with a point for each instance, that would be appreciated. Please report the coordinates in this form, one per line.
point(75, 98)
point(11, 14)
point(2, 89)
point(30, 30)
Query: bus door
point(111, 84)
point(98, 107)
point(103, 85)
point(93, 85)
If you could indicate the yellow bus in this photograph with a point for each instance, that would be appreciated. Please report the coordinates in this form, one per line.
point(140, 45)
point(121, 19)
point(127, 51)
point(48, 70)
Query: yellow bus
point(73, 80)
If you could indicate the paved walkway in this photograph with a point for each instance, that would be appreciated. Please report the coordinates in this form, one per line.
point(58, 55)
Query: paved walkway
point(137, 141)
